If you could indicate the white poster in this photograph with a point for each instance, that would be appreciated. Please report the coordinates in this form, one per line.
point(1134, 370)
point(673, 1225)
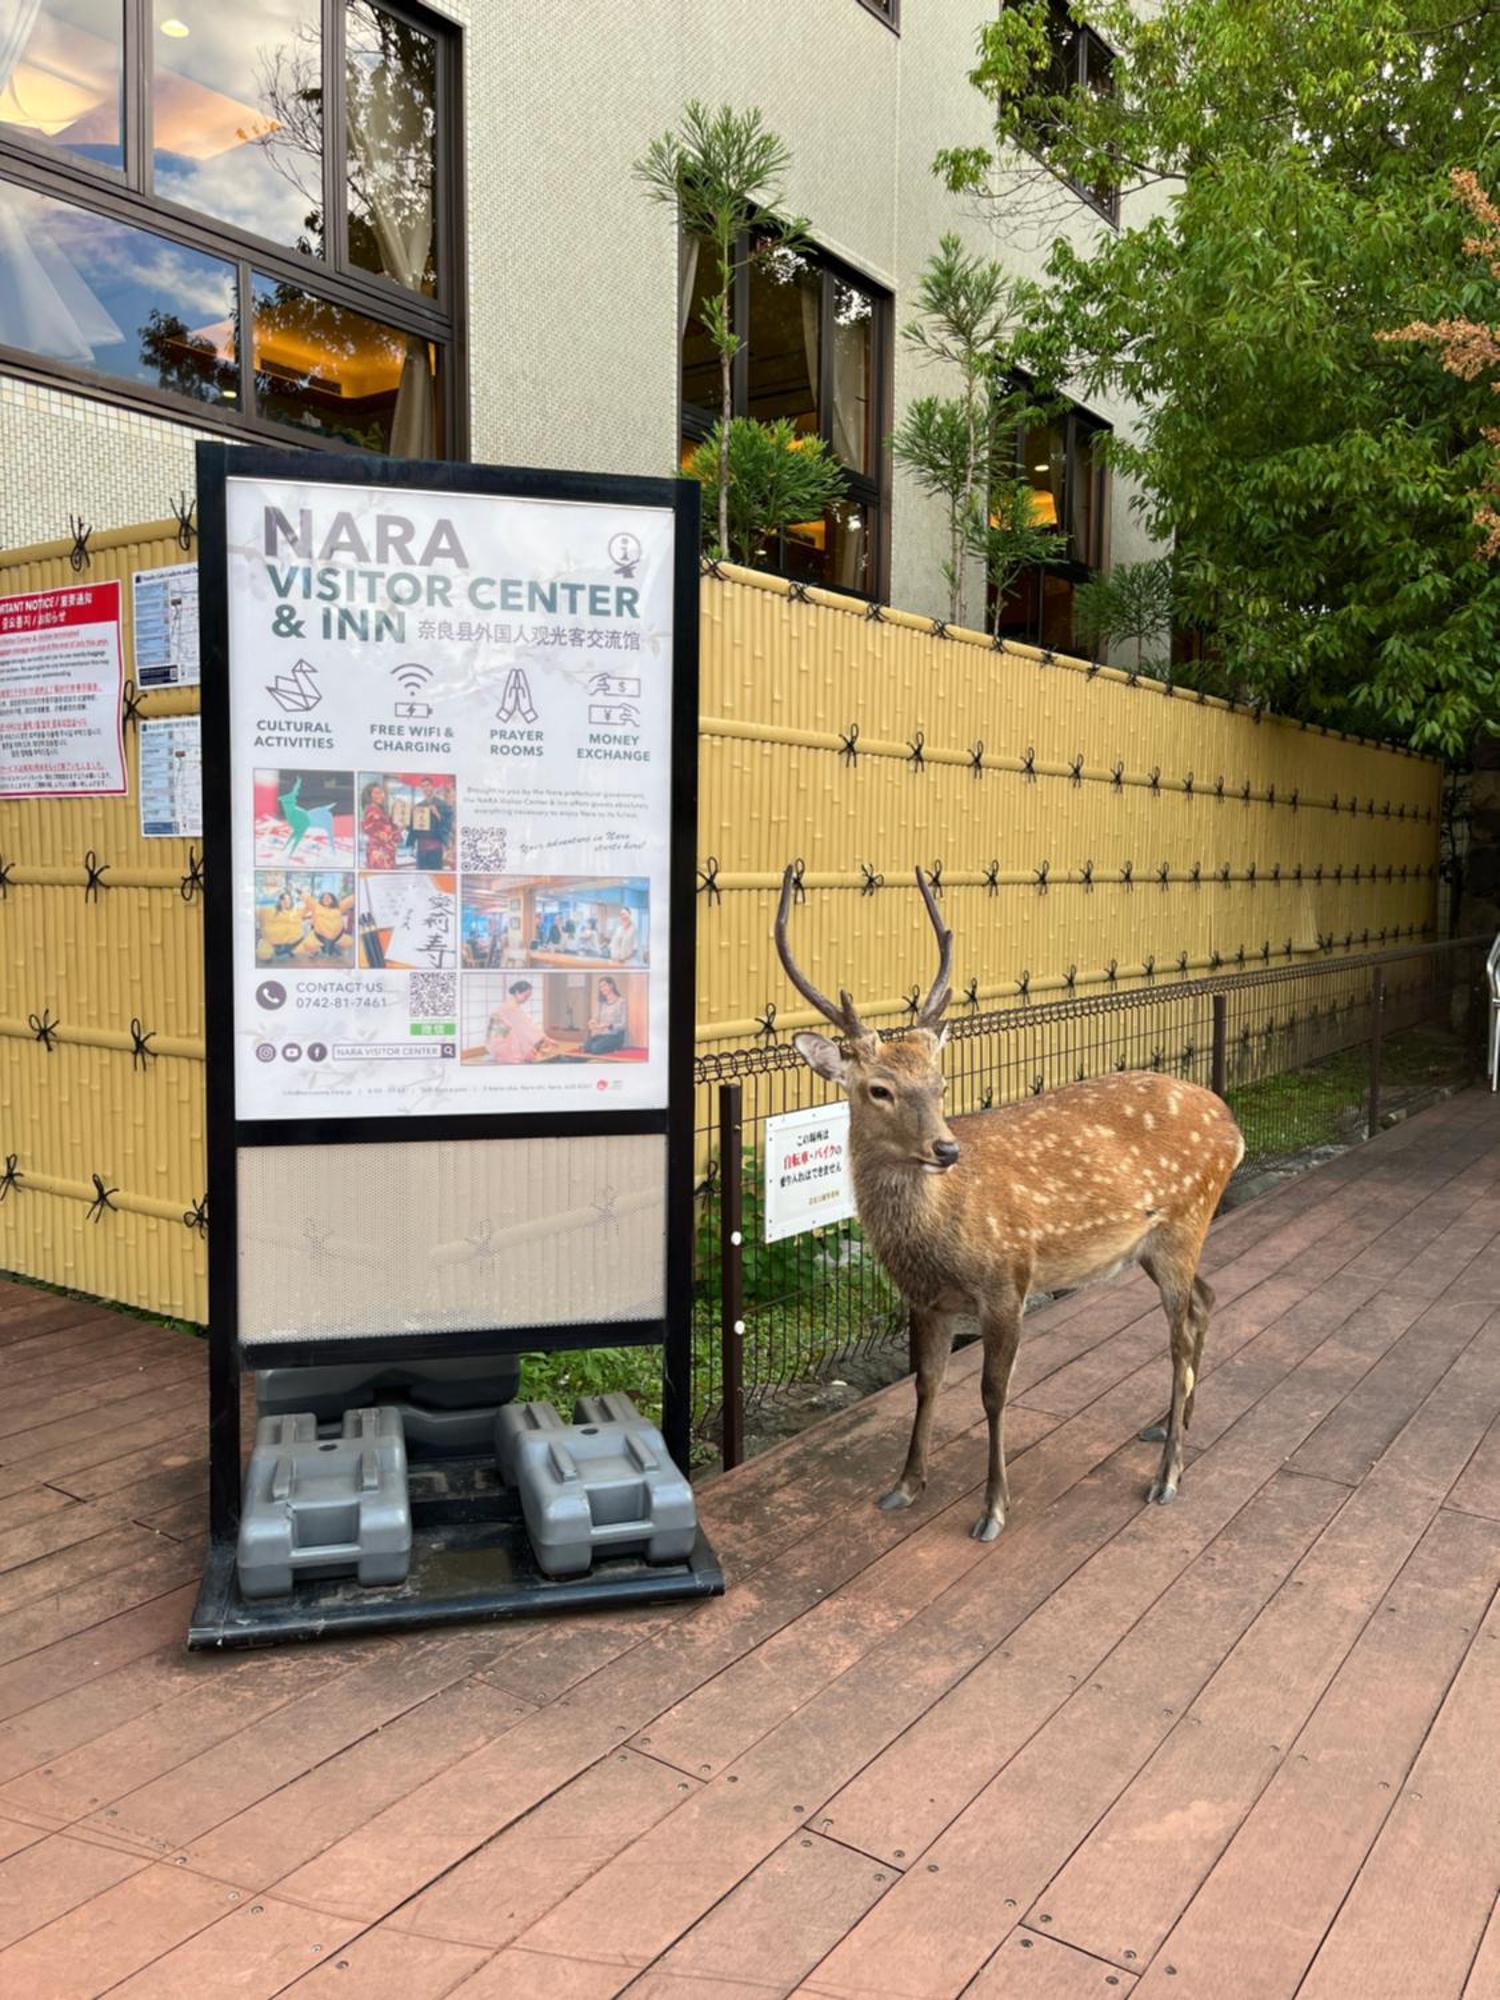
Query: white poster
point(171, 778)
point(166, 626)
point(61, 680)
point(807, 1181)
point(450, 776)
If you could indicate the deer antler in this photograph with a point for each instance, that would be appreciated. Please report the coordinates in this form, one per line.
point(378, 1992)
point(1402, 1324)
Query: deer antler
point(843, 1016)
point(937, 999)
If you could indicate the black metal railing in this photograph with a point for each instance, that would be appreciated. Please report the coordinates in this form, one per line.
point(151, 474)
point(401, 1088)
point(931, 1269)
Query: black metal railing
point(1311, 1056)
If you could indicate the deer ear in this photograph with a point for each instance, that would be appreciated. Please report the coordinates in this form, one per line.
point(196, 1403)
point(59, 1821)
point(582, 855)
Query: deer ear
point(824, 1056)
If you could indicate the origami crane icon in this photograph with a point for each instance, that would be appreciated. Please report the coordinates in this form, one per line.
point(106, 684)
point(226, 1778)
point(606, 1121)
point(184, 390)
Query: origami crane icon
point(297, 691)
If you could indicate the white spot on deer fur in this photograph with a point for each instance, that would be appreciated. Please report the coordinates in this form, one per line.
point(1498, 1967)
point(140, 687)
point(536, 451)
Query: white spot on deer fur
point(1173, 1101)
point(994, 1227)
point(1150, 1122)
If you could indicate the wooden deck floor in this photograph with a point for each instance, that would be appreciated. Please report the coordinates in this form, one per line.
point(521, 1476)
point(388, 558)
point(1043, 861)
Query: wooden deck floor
point(1246, 1746)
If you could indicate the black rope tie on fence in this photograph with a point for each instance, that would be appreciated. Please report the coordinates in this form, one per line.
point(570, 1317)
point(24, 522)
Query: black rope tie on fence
point(1075, 770)
point(1093, 668)
point(711, 566)
point(997, 644)
point(914, 750)
point(1187, 786)
point(1028, 763)
point(1133, 678)
point(78, 555)
point(196, 1217)
point(1111, 973)
point(1215, 960)
point(1250, 874)
point(1070, 978)
point(1318, 871)
point(1042, 884)
point(1265, 952)
point(12, 1177)
point(799, 870)
point(875, 613)
point(5, 881)
point(971, 995)
point(1117, 775)
point(191, 884)
point(1127, 874)
point(849, 743)
point(708, 880)
point(992, 878)
point(1369, 808)
point(141, 1050)
point(1038, 1085)
point(1195, 875)
point(1219, 786)
point(766, 1023)
point(95, 871)
point(976, 757)
point(1355, 877)
point(939, 628)
point(797, 592)
point(1047, 657)
point(1023, 987)
point(44, 1029)
point(101, 1199)
point(1153, 778)
point(1270, 795)
point(1288, 948)
point(1158, 1058)
point(1338, 871)
point(873, 880)
point(130, 713)
point(1182, 963)
point(1275, 872)
point(1148, 969)
point(1224, 873)
point(1164, 874)
point(1086, 876)
point(182, 508)
point(709, 1182)
point(913, 1002)
point(1245, 793)
point(987, 1101)
point(935, 878)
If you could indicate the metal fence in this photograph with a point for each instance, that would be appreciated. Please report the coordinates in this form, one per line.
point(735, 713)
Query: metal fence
point(1310, 1056)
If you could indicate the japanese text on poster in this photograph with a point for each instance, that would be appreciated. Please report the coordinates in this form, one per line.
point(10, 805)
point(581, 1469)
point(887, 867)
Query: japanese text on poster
point(171, 778)
point(451, 787)
point(61, 676)
point(807, 1180)
point(166, 626)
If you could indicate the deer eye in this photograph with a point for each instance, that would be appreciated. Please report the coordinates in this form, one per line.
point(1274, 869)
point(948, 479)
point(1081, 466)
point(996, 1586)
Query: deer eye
point(880, 1094)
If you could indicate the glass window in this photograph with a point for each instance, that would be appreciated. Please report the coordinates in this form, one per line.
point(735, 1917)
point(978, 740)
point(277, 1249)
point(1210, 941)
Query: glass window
point(390, 85)
point(785, 324)
point(697, 277)
point(1044, 449)
point(237, 110)
point(60, 75)
point(853, 410)
point(330, 370)
point(83, 289)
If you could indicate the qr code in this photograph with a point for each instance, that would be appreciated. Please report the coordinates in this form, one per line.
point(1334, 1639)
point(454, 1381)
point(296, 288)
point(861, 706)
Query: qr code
point(434, 996)
point(482, 847)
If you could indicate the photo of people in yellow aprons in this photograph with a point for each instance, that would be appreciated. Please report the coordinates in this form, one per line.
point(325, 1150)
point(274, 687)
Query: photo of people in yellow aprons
point(304, 918)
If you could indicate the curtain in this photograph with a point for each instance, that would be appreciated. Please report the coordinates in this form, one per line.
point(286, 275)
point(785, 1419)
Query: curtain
point(45, 306)
point(812, 294)
point(851, 353)
point(16, 25)
point(688, 251)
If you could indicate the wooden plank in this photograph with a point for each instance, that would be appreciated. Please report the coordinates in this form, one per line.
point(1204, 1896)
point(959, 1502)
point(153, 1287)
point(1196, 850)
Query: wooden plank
point(1027, 1967)
point(1483, 1981)
point(113, 1934)
point(49, 1877)
point(514, 1879)
point(295, 1824)
point(16, 1834)
point(1416, 1916)
point(1477, 1488)
point(113, 1548)
point(541, 1976)
point(255, 1952)
point(156, 1566)
point(382, 1965)
point(87, 1655)
point(1305, 1836)
point(84, 1468)
point(99, 1387)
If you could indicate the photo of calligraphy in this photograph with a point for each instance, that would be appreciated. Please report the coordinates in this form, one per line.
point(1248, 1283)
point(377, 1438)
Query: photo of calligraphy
point(408, 923)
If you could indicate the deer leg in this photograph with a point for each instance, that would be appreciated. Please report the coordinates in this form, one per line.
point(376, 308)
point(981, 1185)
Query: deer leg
point(1002, 1335)
point(931, 1344)
point(1199, 1308)
point(1175, 1278)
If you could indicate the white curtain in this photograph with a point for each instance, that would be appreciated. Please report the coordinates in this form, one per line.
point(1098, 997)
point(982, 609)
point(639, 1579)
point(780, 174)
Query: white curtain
point(17, 21)
point(851, 353)
point(811, 300)
point(688, 249)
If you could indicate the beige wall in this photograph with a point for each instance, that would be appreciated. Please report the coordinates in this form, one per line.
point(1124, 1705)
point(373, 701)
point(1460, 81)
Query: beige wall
point(572, 272)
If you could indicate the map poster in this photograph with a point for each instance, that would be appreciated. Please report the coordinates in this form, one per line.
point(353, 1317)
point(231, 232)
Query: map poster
point(171, 778)
point(62, 675)
point(165, 627)
point(450, 784)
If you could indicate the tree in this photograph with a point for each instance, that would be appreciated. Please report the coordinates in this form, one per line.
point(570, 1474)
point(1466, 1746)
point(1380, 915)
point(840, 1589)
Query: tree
point(1010, 540)
point(1318, 483)
point(1135, 602)
point(721, 172)
point(759, 478)
point(968, 306)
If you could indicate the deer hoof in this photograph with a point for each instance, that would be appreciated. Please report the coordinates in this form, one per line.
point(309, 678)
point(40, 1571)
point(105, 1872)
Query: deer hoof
point(1154, 1433)
point(1163, 1492)
point(895, 1500)
point(986, 1529)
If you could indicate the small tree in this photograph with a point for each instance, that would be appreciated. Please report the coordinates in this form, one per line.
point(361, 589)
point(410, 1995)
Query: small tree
point(1135, 602)
point(968, 304)
point(757, 478)
point(1011, 540)
point(722, 172)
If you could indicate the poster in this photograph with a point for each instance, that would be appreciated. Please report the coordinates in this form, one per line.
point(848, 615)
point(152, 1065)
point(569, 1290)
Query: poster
point(807, 1182)
point(171, 778)
point(450, 784)
point(61, 680)
point(166, 626)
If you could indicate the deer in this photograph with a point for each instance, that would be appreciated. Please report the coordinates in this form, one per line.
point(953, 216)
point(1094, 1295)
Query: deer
point(972, 1216)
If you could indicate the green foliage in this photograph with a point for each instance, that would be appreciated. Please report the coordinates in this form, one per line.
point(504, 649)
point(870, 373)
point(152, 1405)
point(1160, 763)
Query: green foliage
point(775, 477)
point(1135, 603)
point(1319, 483)
point(722, 173)
point(1010, 539)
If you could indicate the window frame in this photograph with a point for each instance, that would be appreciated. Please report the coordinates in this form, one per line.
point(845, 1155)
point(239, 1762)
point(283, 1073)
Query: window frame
point(866, 490)
point(126, 195)
point(885, 11)
point(1084, 38)
point(1079, 425)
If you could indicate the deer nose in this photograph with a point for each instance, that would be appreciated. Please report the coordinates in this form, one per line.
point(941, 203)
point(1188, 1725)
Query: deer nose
point(945, 1151)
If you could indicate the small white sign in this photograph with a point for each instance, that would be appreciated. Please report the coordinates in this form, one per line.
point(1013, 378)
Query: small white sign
point(171, 765)
point(807, 1171)
point(166, 626)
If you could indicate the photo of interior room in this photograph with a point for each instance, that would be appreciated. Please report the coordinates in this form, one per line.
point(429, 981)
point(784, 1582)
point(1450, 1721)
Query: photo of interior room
point(570, 1017)
point(559, 921)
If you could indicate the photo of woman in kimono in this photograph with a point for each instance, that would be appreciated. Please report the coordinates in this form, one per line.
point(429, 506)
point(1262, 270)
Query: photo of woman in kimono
point(378, 832)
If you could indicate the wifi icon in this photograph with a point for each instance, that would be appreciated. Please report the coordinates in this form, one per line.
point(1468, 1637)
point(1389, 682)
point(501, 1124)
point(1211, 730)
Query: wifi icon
point(411, 677)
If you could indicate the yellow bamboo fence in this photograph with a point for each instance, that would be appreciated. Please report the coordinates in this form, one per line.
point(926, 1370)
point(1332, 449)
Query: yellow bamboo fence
point(1087, 832)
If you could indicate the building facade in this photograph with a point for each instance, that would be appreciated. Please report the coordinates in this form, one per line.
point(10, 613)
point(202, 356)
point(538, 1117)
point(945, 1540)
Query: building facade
point(367, 225)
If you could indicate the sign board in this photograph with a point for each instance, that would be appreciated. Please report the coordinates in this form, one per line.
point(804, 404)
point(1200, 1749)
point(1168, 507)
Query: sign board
point(451, 717)
point(61, 679)
point(165, 626)
point(807, 1180)
point(171, 778)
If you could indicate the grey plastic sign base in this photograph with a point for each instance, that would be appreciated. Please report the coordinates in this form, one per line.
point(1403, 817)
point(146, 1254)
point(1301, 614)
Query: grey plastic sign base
point(325, 1507)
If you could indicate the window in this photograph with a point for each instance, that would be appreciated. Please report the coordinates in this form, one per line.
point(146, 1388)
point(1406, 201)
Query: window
point(1079, 60)
point(816, 337)
point(1063, 461)
point(251, 220)
point(888, 11)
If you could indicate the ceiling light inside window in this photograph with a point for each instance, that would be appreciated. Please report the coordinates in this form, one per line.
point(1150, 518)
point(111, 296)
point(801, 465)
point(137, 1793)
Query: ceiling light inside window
point(175, 28)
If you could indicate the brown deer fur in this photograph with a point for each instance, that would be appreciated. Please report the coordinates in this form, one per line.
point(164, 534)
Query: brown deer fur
point(1060, 1191)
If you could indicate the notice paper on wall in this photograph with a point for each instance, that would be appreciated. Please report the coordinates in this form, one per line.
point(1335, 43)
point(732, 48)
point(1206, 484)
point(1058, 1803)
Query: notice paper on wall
point(166, 626)
point(807, 1171)
point(171, 765)
point(61, 679)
